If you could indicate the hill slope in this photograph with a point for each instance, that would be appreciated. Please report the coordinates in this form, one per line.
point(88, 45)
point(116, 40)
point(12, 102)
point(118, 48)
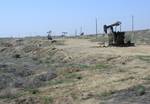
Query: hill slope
point(73, 71)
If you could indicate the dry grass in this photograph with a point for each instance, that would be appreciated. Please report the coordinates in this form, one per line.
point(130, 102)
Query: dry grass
point(87, 73)
point(104, 83)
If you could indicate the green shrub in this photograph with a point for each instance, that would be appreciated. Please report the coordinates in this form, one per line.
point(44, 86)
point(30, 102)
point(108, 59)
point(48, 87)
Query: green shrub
point(56, 82)
point(106, 94)
point(67, 78)
point(144, 58)
point(9, 93)
point(101, 66)
point(147, 78)
point(80, 66)
point(48, 100)
point(140, 90)
point(32, 91)
point(73, 76)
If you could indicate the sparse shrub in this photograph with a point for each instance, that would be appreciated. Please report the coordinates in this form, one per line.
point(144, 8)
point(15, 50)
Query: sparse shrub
point(34, 58)
point(24, 72)
point(106, 93)
point(17, 56)
point(144, 58)
point(19, 82)
point(8, 93)
point(48, 100)
point(56, 81)
point(6, 44)
point(46, 77)
point(3, 65)
point(77, 66)
point(19, 42)
point(100, 66)
point(147, 78)
point(40, 80)
point(29, 48)
point(4, 68)
point(28, 100)
point(140, 90)
point(5, 80)
point(33, 83)
point(125, 79)
point(73, 76)
point(67, 78)
point(87, 95)
point(40, 61)
point(34, 91)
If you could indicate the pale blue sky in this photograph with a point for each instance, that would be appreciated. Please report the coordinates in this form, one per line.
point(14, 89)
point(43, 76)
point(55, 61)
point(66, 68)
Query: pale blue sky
point(36, 17)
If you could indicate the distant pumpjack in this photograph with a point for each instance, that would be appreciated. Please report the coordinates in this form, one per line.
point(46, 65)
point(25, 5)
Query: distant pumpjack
point(49, 37)
point(116, 38)
point(64, 34)
point(82, 34)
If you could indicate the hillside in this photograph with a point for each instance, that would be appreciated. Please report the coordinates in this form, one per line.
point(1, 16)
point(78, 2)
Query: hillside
point(74, 71)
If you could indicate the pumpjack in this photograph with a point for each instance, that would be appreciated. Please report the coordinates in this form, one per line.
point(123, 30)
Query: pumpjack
point(116, 38)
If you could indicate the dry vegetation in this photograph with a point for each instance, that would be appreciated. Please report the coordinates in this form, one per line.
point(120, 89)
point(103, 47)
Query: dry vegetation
point(73, 71)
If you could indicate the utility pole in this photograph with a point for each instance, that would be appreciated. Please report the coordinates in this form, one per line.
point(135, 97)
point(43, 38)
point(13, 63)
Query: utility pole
point(120, 27)
point(81, 30)
point(133, 33)
point(49, 32)
point(132, 23)
point(76, 32)
point(64, 34)
point(96, 28)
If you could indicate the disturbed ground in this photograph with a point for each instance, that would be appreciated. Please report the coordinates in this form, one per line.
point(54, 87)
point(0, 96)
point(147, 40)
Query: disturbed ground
point(73, 71)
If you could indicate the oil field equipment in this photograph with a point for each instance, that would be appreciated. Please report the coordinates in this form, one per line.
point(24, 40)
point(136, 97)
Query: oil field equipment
point(117, 38)
point(49, 37)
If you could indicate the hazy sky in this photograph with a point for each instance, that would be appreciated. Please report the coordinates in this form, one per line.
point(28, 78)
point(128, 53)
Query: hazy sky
point(36, 17)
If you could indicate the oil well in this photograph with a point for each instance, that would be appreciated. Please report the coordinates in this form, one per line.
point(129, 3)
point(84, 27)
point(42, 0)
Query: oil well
point(117, 38)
